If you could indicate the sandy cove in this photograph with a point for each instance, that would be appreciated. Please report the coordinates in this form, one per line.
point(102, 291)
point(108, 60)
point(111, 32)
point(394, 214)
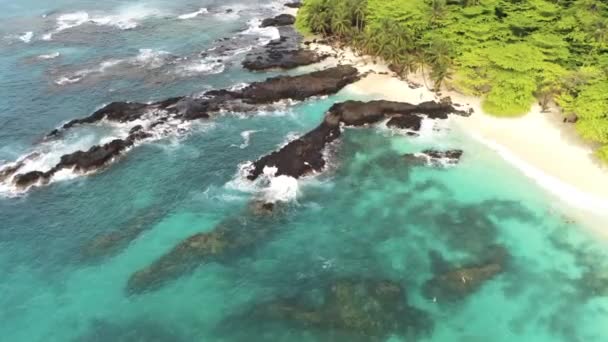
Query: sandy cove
point(539, 144)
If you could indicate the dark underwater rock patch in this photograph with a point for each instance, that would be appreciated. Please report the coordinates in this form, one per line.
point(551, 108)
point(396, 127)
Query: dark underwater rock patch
point(375, 308)
point(231, 237)
point(452, 283)
point(107, 244)
point(305, 155)
point(435, 158)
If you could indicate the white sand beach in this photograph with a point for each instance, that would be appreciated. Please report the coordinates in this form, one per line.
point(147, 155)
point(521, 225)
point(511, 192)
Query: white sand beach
point(539, 144)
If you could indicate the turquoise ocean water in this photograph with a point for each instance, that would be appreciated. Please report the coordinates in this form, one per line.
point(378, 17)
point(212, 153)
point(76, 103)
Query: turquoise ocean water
point(371, 216)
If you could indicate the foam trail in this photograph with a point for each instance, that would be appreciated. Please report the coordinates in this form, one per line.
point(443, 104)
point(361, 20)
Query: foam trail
point(125, 19)
point(192, 15)
point(566, 192)
point(246, 135)
point(202, 67)
point(49, 56)
point(26, 37)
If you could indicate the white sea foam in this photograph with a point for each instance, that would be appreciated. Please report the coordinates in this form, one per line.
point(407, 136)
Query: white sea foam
point(204, 66)
point(272, 188)
point(125, 18)
point(49, 56)
point(280, 188)
point(69, 20)
point(147, 58)
point(566, 192)
point(246, 135)
point(26, 37)
point(267, 33)
point(79, 75)
point(151, 58)
point(201, 11)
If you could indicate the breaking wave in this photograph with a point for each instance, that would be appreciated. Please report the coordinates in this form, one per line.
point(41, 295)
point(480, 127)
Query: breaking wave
point(124, 19)
point(192, 15)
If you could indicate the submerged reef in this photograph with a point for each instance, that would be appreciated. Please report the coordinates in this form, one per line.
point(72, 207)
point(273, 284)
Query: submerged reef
point(452, 283)
point(374, 308)
point(233, 236)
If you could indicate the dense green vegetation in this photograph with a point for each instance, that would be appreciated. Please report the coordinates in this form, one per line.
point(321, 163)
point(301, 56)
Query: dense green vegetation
point(510, 52)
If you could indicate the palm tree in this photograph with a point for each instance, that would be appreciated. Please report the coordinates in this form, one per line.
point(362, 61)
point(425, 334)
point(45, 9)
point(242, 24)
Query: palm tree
point(437, 10)
point(359, 14)
point(340, 22)
point(440, 59)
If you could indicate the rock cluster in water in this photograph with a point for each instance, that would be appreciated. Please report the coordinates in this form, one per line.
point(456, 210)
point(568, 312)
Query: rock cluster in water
point(279, 20)
point(305, 154)
point(182, 109)
point(286, 52)
point(299, 157)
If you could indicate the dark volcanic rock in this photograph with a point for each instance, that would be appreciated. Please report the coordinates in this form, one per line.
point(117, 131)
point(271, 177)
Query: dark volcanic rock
point(323, 82)
point(305, 155)
point(373, 308)
point(95, 157)
point(119, 112)
point(460, 282)
point(8, 171)
point(301, 87)
point(285, 52)
point(27, 179)
point(410, 122)
point(301, 156)
point(279, 20)
point(283, 59)
point(435, 158)
point(82, 161)
point(295, 4)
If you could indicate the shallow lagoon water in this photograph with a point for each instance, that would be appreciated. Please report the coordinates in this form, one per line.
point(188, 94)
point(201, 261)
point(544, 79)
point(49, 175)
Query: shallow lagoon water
point(371, 215)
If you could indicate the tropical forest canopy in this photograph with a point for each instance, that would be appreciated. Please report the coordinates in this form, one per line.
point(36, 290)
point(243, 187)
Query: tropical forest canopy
point(510, 52)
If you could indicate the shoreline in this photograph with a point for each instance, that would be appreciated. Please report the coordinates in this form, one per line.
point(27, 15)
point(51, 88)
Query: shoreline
point(538, 144)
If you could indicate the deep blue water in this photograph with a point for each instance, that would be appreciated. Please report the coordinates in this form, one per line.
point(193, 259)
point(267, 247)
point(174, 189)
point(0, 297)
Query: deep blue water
point(370, 217)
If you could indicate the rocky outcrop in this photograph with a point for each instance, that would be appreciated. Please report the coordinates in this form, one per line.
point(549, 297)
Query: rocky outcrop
point(305, 155)
point(373, 308)
point(82, 161)
point(231, 237)
point(283, 53)
point(295, 4)
point(323, 82)
point(456, 283)
point(282, 59)
point(435, 158)
point(279, 20)
point(157, 114)
point(301, 87)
